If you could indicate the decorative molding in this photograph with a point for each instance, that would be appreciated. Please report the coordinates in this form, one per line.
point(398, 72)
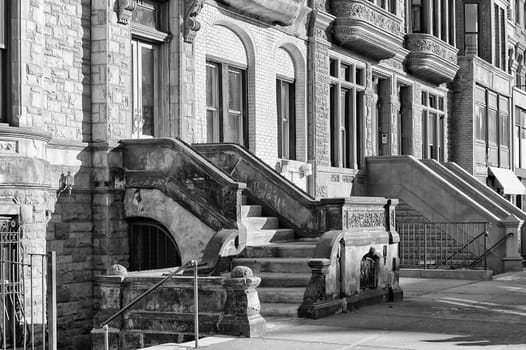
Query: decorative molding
point(363, 218)
point(425, 43)
point(8, 146)
point(125, 10)
point(370, 13)
point(191, 26)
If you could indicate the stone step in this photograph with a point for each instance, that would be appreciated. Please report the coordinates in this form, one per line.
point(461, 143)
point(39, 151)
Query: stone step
point(296, 249)
point(290, 265)
point(265, 236)
point(284, 280)
point(279, 309)
point(250, 210)
point(260, 223)
point(281, 295)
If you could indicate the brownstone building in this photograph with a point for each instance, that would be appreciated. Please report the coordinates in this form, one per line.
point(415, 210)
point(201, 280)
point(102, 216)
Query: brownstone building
point(342, 98)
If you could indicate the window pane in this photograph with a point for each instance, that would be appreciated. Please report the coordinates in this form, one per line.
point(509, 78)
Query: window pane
point(212, 86)
point(235, 90)
point(492, 126)
point(471, 18)
point(3, 17)
point(503, 129)
point(516, 143)
point(232, 128)
point(147, 90)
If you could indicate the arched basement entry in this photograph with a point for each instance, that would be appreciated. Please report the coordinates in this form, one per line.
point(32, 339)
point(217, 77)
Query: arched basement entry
point(151, 246)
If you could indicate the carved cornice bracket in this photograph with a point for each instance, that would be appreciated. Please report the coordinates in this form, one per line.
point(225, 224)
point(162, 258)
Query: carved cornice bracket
point(191, 26)
point(125, 10)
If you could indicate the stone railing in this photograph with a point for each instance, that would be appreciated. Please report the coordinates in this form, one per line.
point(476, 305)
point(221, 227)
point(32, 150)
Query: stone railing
point(357, 265)
point(307, 216)
point(283, 12)
point(228, 306)
point(367, 28)
point(173, 167)
point(431, 58)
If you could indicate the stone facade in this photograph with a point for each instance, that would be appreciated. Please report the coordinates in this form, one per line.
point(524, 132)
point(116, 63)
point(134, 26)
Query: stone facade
point(71, 99)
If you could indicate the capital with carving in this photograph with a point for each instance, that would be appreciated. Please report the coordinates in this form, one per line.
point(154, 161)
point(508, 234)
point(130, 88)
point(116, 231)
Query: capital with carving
point(192, 8)
point(125, 10)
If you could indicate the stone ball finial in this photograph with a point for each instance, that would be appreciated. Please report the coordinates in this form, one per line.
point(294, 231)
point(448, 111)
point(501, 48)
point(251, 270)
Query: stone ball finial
point(241, 272)
point(117, 270)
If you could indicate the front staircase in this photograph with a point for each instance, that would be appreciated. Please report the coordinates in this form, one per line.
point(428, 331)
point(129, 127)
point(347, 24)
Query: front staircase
point(274, 254)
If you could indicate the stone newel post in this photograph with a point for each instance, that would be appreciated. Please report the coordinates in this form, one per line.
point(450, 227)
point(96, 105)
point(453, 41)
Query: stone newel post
point(241, 315)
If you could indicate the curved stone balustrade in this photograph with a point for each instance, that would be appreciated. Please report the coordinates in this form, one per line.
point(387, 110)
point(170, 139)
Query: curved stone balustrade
point(282, 12)
point(431, 58)
point(364, 27)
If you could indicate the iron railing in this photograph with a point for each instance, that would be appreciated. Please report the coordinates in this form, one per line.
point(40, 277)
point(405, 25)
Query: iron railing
point(443, 244)
point(25, 288)
point(192, 263)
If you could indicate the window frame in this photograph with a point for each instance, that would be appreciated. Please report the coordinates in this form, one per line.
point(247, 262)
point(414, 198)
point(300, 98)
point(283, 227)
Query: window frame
point(218, 133)
point(286, 135)
point(433, 110)
point(345, 118)
point(475, 33)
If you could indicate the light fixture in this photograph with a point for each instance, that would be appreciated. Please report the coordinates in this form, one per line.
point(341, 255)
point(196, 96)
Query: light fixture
point(65, 183)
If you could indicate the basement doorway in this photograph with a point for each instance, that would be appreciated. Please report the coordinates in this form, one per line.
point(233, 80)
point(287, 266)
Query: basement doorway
point(151, 246)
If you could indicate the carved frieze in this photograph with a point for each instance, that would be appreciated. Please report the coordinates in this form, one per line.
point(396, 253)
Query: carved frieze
point(363, 218)
point(431, 58)
point(366, 28)
point(8, 146)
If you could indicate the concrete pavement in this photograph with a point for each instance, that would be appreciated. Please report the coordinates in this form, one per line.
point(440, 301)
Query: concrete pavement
point(435, 314)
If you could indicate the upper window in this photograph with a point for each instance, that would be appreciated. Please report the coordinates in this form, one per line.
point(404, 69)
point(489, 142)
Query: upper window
point(471, 29)
point(286, 102)
point(517, 12)
point(499, 38)
point(417, 17)
point(388, 5)
point(147, 79)
point(3, 61)
point(435, 17)
point(433, 126)
point(346, 113)
point(226, 96)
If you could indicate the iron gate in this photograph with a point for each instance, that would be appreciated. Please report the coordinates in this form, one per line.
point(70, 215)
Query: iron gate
point(23, 286)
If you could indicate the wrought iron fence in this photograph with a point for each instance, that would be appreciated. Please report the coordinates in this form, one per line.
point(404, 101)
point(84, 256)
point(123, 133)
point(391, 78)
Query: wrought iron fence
point(24, 323)
point(443, 244)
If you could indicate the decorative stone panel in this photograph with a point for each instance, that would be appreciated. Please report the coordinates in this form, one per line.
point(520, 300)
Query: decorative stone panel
point(283, 12)
point(366, 28)
point(431, 58)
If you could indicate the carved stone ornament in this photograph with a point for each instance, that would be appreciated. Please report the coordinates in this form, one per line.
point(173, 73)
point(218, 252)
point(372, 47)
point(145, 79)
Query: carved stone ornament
point(125, 10)
point(192, 8)
point(366, 218)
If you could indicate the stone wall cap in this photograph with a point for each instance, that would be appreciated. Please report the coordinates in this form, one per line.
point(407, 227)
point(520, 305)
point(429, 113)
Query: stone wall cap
point(24, 133)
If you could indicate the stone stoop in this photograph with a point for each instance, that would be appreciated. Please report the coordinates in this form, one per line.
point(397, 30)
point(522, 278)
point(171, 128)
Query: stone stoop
point(278, 258)
point(284, 274)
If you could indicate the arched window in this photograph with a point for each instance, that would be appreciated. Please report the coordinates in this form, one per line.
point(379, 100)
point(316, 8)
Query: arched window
point(151, 246)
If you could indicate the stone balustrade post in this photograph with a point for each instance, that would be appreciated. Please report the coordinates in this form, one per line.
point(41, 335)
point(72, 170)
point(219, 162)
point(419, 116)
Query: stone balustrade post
point(242, 308)
point(512, 260)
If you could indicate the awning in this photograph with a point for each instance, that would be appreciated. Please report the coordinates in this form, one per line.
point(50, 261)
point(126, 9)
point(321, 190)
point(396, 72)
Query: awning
point(507, 180)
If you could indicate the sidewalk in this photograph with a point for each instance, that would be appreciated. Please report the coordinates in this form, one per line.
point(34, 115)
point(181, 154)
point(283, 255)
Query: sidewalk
point(435, 314)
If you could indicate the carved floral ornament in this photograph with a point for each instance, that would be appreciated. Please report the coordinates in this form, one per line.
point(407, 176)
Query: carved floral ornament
point(367, 218)
point(371, 15)
point(125, 10)
point(431, 46)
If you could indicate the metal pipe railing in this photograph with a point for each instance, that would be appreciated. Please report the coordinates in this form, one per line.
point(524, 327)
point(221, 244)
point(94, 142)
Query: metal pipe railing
point(191, 263)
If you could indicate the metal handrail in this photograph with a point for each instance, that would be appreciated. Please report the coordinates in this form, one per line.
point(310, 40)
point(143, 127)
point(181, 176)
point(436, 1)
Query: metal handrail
point(191, 263)
point(450, 257)
point(486, 251)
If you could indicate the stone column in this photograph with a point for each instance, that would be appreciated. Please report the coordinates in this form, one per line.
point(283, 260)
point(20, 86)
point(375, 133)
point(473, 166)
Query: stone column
point(394, 127)
point(512, 260)
point(241, 313)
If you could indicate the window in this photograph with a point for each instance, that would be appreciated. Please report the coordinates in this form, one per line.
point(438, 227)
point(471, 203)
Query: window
point(519, 138)
point(417, 17)
point(517, 12)
point(504, 122)
point(226, 116)
point(144, 88)
point(147, 38)
point(471, 29)
point(151, 246)
point(524, 14)
point(499, 41)
point(286, 102)
point(433, 124)
point(3, 61)
point(346, 108)
point(388, 5)
point(492, 118)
